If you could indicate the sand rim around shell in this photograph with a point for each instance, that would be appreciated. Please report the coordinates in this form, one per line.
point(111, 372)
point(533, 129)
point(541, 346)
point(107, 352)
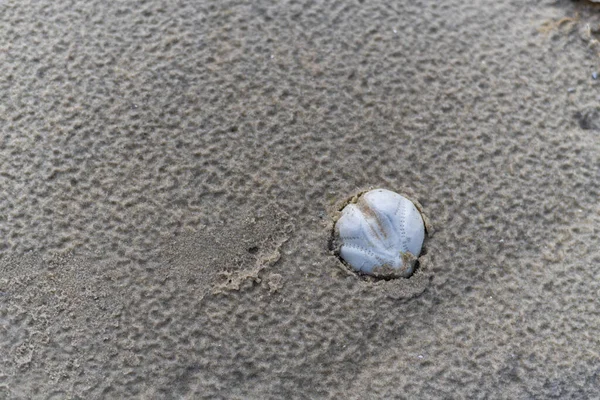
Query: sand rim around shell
point(416, 265)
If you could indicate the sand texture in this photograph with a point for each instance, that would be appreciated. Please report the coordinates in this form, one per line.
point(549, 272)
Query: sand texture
point(170, 172)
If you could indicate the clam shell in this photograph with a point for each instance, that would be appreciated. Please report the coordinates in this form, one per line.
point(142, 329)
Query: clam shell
point(381, 234)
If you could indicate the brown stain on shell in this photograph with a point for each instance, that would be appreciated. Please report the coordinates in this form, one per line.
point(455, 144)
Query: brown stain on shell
point(373, 216)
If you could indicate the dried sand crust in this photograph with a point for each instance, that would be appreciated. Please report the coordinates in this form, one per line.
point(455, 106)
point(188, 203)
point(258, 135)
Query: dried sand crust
point(167, 171)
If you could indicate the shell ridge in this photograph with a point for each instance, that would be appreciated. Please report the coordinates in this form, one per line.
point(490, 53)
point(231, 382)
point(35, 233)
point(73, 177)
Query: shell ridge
point(361, 248)
point(382, 260)
point(404, 241)
point(360, 218)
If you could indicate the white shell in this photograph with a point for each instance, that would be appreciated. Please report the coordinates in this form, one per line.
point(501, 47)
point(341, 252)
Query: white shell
point(381, 234)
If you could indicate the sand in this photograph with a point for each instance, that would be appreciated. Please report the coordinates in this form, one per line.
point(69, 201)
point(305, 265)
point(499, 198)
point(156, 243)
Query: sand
point(170, 171)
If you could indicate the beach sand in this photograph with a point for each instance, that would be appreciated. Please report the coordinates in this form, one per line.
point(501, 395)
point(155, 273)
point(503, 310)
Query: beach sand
point(170, 172)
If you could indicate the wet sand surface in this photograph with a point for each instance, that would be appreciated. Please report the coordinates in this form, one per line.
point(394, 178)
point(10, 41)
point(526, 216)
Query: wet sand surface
point(170, 171)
